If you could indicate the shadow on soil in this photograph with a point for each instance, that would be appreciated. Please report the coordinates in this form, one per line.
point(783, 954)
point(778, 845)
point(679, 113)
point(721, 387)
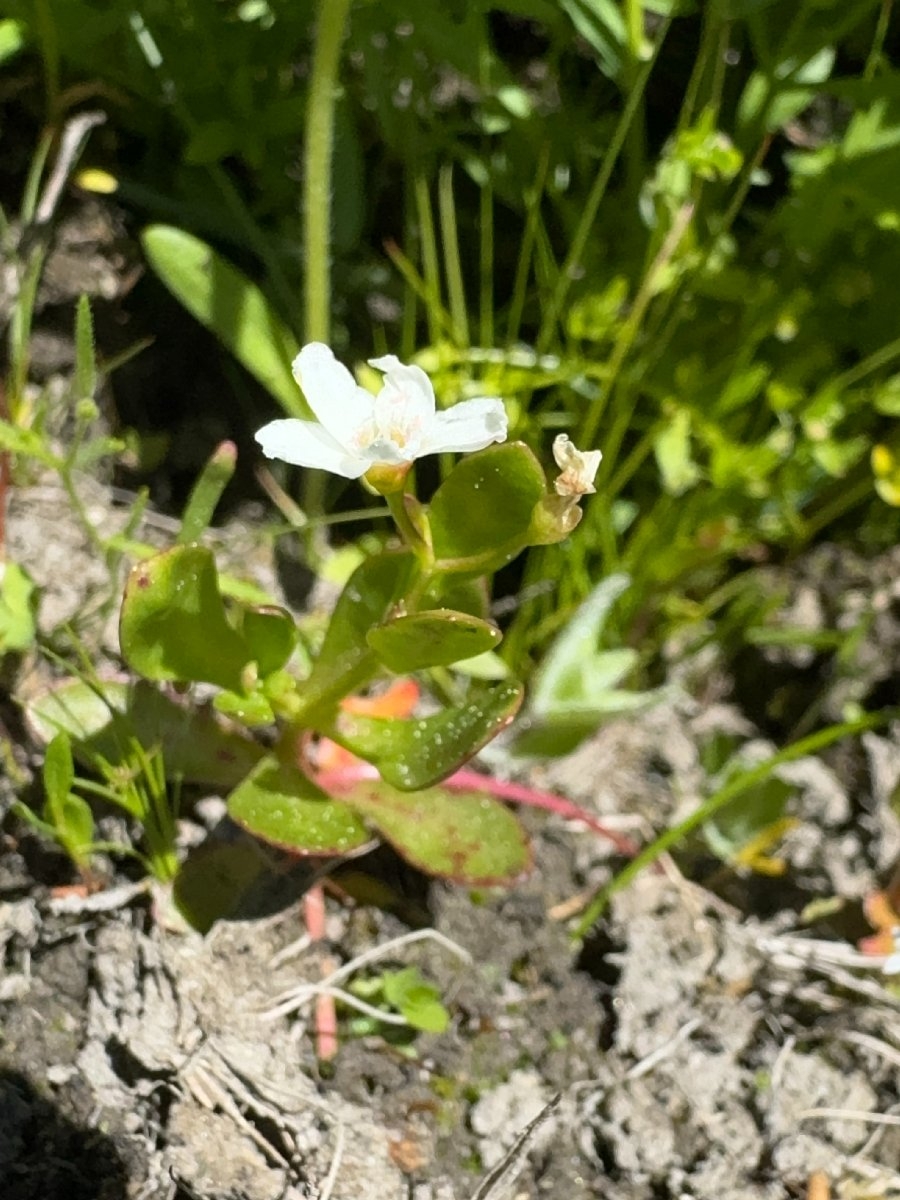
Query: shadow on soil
point(45, 1156)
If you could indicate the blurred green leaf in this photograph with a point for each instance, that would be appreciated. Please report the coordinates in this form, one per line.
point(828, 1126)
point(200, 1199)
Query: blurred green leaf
point(226, 302)
point(417, 1000)
point(672, 448)
point(12, 39)
point(568, 669)
point(743, 821)
point(198, 748)
point(59, 770)
point(18, 599)
point(576, 686)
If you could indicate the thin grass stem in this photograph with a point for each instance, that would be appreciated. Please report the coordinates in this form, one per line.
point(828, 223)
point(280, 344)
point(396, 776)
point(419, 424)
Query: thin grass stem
point(456, 291)
point(813, 744)
point(575, 255)
point(431, 272)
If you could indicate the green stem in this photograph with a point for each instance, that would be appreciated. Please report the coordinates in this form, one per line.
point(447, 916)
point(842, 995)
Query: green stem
point(636, 141)
point(81, 512)
point(724, 796)
point(527, 245)
point(318, 155)
point(48, 37)
point(431, 273)
point(632, 326)
point(877, 47)
point(456, 291)
point(878, 358)
point(569, 270)
point(318, 152)
point(417, 540)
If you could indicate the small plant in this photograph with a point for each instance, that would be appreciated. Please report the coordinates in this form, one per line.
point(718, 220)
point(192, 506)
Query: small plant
point(419, 605)
point(135, 783)
point(403, 994)
point(66, 818)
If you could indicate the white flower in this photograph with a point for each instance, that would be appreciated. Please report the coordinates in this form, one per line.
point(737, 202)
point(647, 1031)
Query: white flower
point(578, 468)
point(356, 431)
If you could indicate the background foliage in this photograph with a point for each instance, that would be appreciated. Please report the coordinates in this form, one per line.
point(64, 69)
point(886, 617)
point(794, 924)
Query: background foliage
point(671, 229)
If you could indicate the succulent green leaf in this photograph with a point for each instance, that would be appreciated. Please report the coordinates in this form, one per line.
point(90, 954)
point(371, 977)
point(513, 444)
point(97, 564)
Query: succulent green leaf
point(198, 748)
point(226, 302)
point(431, 639)
point(271, 635)
point(464, 836)
point(346, 660)
point(481, 514)
point(173, 624)
point(279, 804)
point(417, 753)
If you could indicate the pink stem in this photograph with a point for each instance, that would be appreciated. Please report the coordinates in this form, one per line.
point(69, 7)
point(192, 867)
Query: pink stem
point(326, 1014)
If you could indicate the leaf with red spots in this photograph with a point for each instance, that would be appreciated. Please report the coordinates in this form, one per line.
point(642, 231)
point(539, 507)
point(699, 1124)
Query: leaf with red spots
point(463, 836)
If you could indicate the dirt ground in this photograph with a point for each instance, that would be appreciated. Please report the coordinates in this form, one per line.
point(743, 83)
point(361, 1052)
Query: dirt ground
point(720, 1039)
point(706, 1041)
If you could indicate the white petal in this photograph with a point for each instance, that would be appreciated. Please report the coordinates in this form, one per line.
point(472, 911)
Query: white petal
point(470, 425)
point(387, 362)
point(308, 444)
point(342, 406)
point(407, 394)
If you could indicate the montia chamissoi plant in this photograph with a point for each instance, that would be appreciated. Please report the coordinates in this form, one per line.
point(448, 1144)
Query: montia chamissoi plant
point(420, 605)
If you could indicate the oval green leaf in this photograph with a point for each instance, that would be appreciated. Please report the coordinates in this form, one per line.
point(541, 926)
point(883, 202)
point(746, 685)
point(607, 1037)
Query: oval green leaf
point(467, 837)
point(431, 639)
point(416, 753)
point(173, 624)
point(481, 514)
point(279, 804)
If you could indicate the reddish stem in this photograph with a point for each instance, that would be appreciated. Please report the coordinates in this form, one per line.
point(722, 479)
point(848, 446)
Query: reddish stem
point(326, 1015)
